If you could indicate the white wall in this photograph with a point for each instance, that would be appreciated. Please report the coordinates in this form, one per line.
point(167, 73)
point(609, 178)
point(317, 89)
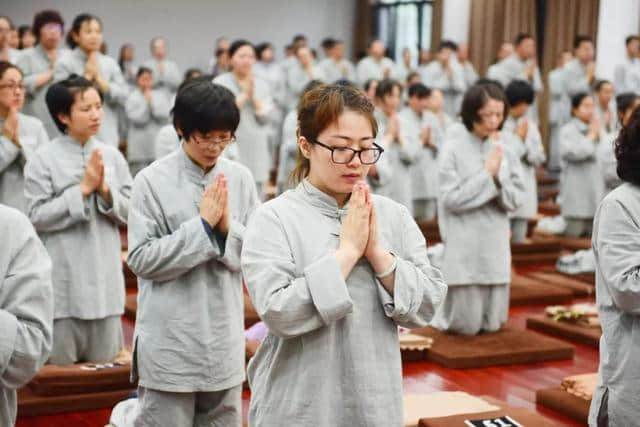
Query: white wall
point(455, 20)
point(617, 19)
point(191, 26)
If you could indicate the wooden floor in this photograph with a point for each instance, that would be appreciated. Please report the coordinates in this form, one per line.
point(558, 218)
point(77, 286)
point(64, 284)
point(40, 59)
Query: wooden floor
point(515, 384)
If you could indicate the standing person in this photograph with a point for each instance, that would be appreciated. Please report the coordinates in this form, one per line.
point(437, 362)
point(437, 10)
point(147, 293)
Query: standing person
point(301, 73)
point(20, 137)
point(616, 245)
point(605, 106)
point(335, 66)
point(186, 225)
point(406, 67)
point(147, 110)
point(559, 108)
point(470, 73)
point(627, 75)
point(222, 47)
point(27, 39)
point(479, 188)
point(424, 171)
point(446, 75)
point(375, 65)
point(166, 74)
point(334, 294)
point(581, 185)
point(580, 73)
point(85, 38)
point(26, 308)
point(77, 189)
point(126, 62)
point(401, 150)
point(523, 138)
point(255, 103)
point(626, 104)
point(7, 53)
point(38, 63)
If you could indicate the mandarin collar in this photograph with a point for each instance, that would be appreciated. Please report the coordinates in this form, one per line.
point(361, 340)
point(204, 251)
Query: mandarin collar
point(321, 200)
point(195, 171)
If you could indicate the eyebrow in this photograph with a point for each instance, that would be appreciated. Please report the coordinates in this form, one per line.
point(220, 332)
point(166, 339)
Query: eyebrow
point(365, 138)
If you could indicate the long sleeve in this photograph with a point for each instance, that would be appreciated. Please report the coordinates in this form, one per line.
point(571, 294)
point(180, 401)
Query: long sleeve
point(419, 288)
point(290, 302)
point(575, 147)
point(9, 152)
point(26, 309)
point(47, 210)
point(30, 77)
point(137, 109)
point(576, 80)
point(511, 184)
point(120, 190)
point(618, 249)
point(160, 107)
point(155, 255)
point(118, 88)
point(619, 78)
point(464, 194)
point(170, 77)
point(534, 149)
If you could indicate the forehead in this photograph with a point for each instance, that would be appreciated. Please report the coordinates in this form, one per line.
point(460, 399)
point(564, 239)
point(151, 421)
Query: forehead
point(91, 24)
point(351, 124)
point(86, 97)
point(493, 105)
point(12, 74)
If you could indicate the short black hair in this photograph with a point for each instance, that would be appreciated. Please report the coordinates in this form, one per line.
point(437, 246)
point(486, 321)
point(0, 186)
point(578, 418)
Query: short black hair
point(631, 38)
point(46, 17)
point(61, 96)
point(345, 82)
point(624, 101)
point(411, 75)
point(418, 90)
point(598, 85)
point(299, 38)
point(579, 39)
point(192, 73)
point(627, 150)
point(369, 82)
point(385, 87)
point(577, 99)
point(518, 92)
point(522, 37)
point(372, 41)
point(447, 44)
point(477, 97)
point(204, 106)
point(237, 44)
point(262, 47)
point(142, 69)
point(328, 43)
point(77, 24)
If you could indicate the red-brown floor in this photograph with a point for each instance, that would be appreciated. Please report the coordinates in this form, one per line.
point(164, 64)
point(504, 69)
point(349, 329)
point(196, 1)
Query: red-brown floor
point(514, 384)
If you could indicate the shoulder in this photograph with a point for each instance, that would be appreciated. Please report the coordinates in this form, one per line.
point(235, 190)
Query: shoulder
point(625, 196)
point(30, 121)
point(237, 169)
point(12, 219)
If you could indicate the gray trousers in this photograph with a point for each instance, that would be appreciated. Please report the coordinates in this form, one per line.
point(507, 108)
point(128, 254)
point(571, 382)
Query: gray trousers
point(424, 209)
point(78, 340)
point(211, 409)
point(578, 227)
point(471, 309)
point(518, 229)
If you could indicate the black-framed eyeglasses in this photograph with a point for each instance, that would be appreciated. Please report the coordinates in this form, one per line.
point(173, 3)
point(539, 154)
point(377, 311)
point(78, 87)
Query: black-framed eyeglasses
point(343, 155)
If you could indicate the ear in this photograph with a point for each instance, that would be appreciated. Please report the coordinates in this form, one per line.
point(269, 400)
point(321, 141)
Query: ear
point(65, 119)
point(305, 147)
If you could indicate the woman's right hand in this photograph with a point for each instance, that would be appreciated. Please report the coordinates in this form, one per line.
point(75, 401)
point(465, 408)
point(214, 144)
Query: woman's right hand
point(354, 233)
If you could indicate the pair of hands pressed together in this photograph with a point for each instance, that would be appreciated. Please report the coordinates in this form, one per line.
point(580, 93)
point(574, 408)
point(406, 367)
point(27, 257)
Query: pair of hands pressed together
point(359, 234)
point(93, 179)
point(92, 72)
point(494, 160)
point(214, 207)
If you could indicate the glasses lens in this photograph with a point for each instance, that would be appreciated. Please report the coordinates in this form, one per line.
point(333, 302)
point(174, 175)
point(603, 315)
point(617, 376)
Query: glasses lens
point(370, 156)
point(342, 155)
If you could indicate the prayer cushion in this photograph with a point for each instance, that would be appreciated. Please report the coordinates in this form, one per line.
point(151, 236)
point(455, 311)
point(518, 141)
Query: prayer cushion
point(54, 380)
point(579, 288)
point(30, 404)
point(559, 400)
point(525, 290)
point(572, 331)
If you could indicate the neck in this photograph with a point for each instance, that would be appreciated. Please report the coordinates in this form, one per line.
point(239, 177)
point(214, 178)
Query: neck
point(477, 134)
point(82, 140)
point(340, 198)
point(604, 105)
point(4, 111)
point(240, 75)
point(187, 149)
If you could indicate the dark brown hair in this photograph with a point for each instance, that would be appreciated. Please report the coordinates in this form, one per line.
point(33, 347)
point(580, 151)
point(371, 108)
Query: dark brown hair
point(46, 17)
point(6, 65)
point(477, 97)
point(321, 107)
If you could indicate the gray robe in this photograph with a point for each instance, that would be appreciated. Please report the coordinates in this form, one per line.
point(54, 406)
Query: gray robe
point(34, 61)
point(334, 71)
point(189, 325)
point(73, 62)
point(32, 135)
point(369, 68)
point(530, 154)
point(576, 78)
point(514, 68)
point(298, 78)
point(616, 246)
point(166, 141)
point(452, 87)
point(581, 186)
point(626, 76)
point(73, 228)
point(608, 163)
point(252, 135)
point(26, 308)
point(145, 120)
point(399, 159)
point(559, 113)
point(331, 357)
point(475, 212)
point(167, 81)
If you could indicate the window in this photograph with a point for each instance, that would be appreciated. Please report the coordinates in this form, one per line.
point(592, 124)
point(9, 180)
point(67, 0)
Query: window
point(404, 24)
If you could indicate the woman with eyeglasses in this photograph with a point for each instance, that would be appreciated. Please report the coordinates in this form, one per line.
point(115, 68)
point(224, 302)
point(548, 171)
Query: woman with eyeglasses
point(85, 59)
point(21, 136)
point(480, 184)
point(186, 226)
point(333, 270)
point(37, 64)
point(254, 100)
